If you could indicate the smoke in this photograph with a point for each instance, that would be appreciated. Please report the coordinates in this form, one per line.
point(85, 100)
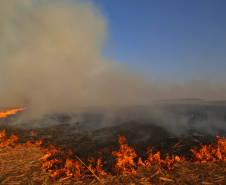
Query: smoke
point(51, 62)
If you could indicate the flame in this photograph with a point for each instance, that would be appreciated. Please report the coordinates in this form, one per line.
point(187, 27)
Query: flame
point(99, 170)
point(10, 112)
point(125, 157)
point(8, 142)
point(213, 152)
point(167, 163)
point(33, 133)
point(62, 164)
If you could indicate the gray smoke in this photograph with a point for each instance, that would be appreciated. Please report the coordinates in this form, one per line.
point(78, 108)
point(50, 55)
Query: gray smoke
point(51, 62)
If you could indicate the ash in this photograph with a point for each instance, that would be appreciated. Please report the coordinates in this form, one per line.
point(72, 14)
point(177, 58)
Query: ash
point(161, 126)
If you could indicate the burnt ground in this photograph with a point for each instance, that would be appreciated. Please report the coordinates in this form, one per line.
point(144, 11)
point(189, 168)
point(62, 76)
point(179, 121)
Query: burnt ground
point(139, 133)
point(101, 142)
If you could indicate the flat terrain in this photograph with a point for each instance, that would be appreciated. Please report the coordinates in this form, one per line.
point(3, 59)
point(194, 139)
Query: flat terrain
point(89, 136)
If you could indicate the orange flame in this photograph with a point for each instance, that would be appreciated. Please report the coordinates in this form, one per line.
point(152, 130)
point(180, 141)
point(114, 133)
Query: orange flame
point(10, 112)
point(213, 152)
point(7, 142)
point(99, 170)
point(125, 157)
point(167, 163)
point(60, 164)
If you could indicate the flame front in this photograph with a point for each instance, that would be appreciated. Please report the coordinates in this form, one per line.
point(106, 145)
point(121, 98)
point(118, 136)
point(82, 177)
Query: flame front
point(63, 164)
point(125, 161)
point(8, 142)
point(213, 152)
point(125, 157)
point(7, 113)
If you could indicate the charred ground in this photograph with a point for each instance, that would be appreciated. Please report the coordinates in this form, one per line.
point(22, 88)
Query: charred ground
point(89, 136)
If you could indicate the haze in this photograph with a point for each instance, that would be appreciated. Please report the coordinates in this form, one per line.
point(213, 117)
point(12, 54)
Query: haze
point(55, 58)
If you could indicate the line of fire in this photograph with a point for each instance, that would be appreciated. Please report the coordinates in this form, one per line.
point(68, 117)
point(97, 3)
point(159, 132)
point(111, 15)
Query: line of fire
point(113, 155)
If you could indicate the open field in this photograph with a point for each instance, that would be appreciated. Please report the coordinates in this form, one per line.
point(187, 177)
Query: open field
point(71, 153)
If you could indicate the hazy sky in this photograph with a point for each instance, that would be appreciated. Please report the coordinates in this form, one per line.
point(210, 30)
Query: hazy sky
point(51, 53)
point(170, 40)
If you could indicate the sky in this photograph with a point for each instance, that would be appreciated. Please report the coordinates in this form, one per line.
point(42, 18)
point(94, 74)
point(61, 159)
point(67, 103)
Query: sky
point(168, 40)
point(52, 57)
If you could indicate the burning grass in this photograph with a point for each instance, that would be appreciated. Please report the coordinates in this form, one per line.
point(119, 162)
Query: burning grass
point(214, 152)
point(31, 162)
point(38, 161)
point(10, 112)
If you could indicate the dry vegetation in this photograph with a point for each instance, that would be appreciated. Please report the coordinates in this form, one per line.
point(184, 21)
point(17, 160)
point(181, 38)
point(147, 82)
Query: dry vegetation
point(34, 160)
point(22, 165)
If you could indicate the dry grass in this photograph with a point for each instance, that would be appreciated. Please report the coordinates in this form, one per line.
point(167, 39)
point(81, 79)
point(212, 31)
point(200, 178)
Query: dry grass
point(184, 173)
point(22, 166)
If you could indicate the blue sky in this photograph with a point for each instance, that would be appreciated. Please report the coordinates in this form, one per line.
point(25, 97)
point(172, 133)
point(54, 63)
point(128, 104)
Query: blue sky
point(170, 40)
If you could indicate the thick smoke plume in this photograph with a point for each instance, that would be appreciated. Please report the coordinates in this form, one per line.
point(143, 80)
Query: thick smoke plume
point(51, 62)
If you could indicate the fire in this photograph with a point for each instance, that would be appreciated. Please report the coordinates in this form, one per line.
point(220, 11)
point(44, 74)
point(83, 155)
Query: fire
point(55, 161)
point(64, 164)
point(99, 169)
point(61, 164)
point(213, 152)
point(10, 112)
point(125, 157)
point(167, 163)
point(125, 161)
point(7, 142)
